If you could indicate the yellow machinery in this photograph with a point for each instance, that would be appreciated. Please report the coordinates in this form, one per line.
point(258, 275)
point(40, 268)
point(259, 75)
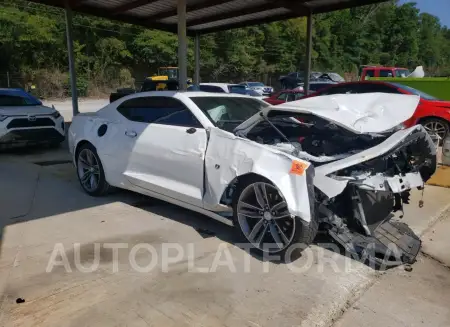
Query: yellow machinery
point(164, 74)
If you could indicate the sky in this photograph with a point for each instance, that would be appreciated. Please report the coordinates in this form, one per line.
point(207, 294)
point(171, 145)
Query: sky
point(439, 8)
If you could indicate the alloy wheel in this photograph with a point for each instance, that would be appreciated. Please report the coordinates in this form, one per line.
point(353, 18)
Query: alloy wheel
point(88, 170)
point(436, 129)
point(264, 218)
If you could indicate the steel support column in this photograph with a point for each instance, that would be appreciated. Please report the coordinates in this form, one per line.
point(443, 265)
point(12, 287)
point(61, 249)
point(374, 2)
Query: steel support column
point(308, 51)
point(197, 60)
point(182, 45)
point(73, 77)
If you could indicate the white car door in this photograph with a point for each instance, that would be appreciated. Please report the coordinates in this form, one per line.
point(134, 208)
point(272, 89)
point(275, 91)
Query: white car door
point(166, 147)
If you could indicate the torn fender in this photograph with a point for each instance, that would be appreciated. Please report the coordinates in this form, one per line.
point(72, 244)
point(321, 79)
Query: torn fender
point(229, 156)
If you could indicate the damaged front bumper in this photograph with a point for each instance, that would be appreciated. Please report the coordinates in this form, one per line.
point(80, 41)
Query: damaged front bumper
point(362, 192)
point(370, 169)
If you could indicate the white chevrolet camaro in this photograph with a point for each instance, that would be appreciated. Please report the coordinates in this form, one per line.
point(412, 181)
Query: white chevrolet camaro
point(343, 162)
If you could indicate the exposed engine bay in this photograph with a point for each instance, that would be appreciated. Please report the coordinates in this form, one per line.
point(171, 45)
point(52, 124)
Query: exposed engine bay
point(312, 137)
point(356, 193)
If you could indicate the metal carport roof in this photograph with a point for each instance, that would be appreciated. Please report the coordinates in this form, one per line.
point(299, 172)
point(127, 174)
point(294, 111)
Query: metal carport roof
point(196, 17)
point(204, 16)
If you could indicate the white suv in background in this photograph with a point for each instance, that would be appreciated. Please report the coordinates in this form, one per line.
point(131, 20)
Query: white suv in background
point(24, 120)
point(258, 87)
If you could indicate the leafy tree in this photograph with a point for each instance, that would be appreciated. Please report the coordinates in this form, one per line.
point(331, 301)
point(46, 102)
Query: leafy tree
point(109, 54)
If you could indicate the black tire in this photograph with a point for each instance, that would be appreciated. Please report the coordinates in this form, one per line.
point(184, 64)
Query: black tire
point(103, 186)
point(434, 120)
point(303, 235)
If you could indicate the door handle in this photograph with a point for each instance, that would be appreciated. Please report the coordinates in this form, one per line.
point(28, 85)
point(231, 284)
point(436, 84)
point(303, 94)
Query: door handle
point(130, 133)
point(191, 130)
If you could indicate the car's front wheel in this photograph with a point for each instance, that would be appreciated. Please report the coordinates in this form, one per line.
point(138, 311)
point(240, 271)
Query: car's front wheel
point(90, 171)
point(262, 218)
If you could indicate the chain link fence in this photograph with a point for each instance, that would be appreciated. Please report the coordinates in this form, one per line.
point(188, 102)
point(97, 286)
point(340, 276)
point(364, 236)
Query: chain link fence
point(12, 79)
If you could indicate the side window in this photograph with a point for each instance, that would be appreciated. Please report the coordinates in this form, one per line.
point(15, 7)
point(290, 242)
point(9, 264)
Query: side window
point(370, 73)
point(282, 96)
point(386, 73)
point(158, 110)
point(343, 89)
point(290, 97)
point(299, 96)
point(371, 88)
point(317, 86)
point(211, 88)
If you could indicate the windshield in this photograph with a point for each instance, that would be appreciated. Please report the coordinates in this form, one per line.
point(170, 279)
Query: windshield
point(239, 90)
point(254, 84)
point(228, 112)
point(17, 99)
point(409, 89)
point(402, 73)
point(171, 73)
point(233, 88)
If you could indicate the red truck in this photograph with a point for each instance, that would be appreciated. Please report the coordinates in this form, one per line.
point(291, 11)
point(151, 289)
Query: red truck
point(367, 72)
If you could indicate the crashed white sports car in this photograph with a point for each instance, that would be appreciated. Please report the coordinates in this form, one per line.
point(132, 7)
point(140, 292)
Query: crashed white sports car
point(343, 162)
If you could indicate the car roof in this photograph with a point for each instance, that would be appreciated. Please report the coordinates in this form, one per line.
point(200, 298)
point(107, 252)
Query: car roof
point(324, 81)
point(194, 94)
point(188, 94)
point(291, 91)
point(216, 84)
point(9, 91)
point(383, 67)
point(363, 82)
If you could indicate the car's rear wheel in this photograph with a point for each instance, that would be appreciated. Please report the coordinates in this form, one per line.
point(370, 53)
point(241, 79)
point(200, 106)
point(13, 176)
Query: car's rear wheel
point(436, 127)
point(262, 218)
point(90, 171)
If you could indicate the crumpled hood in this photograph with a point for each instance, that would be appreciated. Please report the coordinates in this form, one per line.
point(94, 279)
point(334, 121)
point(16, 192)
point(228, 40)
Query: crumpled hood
point(26, 110)
point(358, 113)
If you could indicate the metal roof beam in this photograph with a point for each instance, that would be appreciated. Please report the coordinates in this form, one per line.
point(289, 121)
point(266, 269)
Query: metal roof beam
point(232, 14)
point(130, 5)
point(298, 6)
point(75, 3)
point(344, 5)
point(189, 8)
point(101, 12)
point(258, 21)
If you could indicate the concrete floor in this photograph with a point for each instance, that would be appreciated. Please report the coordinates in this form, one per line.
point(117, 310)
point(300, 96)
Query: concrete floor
point(43, 207)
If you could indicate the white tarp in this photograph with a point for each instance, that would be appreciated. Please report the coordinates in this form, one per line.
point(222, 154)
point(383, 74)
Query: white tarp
point(417, 73)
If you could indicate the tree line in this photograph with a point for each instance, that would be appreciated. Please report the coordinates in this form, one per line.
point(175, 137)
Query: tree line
point(111, 54)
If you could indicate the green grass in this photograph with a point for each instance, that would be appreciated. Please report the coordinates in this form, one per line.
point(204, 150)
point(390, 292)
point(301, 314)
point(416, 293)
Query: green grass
point(438, 87)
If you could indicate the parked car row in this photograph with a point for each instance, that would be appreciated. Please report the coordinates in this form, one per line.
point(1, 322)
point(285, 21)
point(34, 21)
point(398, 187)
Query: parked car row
point(24, 120)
